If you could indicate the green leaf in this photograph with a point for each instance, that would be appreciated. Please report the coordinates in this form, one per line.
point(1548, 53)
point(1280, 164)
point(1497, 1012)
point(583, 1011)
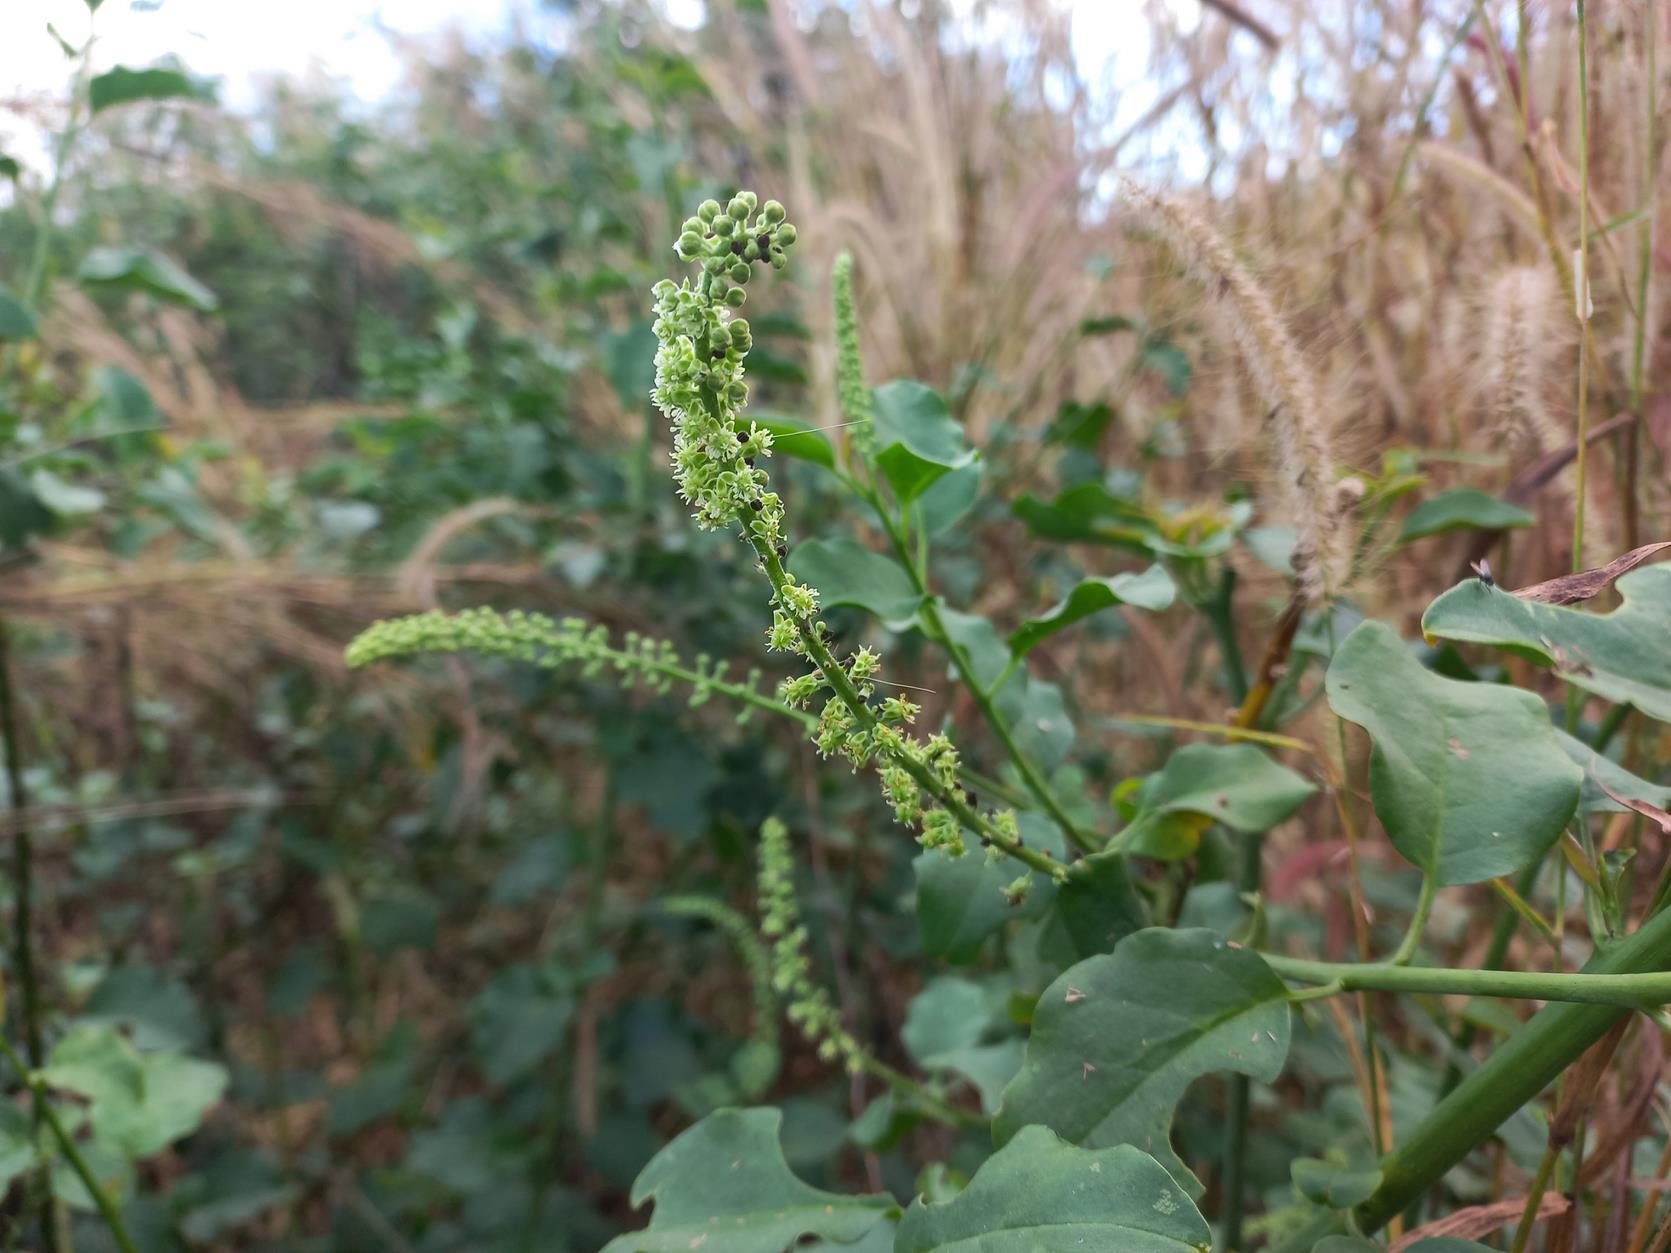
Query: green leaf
point(793, 437)
point(961, 902)
point(918, 438)
point(1234, 784)
point(1468, 778)
point(1039, 1195)
point(845, 572)
point(949, 499)
point(1599, 770)
point(123, 399)
point(519, 1019)
point(1459, 510)
point(1333, 1184)
point(1038, 716)
point(988, 655)
point(157, 1010)
point(1100, 906)
point(1087, 513)
point(139, 269)
point(63, 498)
point(724, 1181)
point(124, 86)
point(1170, 362)
point(943, 1030)
point(1118, 1038)
point(138, 1103)
point(16, 322)
point(1623, 656)
point(1153, 589)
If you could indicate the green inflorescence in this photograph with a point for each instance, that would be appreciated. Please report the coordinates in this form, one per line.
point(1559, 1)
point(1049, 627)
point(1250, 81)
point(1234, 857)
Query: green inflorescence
point(701, 388)
point(810, 1007)
point(549, 644)
point(853, 394)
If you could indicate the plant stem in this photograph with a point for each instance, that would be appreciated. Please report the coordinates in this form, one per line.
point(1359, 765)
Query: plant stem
point(1634, 990)
point(1248, 876)
point(1519, 1069)
point(1645, 273)
point(935, 628)
point(1581, 289)
point(23, 853)
point(107, 1208)
point(838, 679)
point(1418, 922)
point(1220, 614)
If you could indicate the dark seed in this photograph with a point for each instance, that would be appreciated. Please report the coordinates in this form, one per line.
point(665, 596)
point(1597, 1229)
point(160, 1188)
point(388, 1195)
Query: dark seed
point(756, 505)
point(742, 437)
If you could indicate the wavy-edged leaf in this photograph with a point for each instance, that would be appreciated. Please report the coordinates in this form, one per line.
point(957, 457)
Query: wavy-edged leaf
point(139, 269)
point(1622, 656)
point(1462, 509)
point(1605, 780)
point(918, 438)
point(1468, 778)
point(845, 572)
point(1040, 1195)
point(724, 1184)
point(1118, 1038)
point(1237, 785)
point(1152, 589)
point(120, 85)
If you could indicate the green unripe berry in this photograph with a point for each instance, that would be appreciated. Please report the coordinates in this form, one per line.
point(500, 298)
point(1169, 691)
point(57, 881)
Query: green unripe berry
point(775, 213)
point(738, 208)
point(778, 259)
point(740, 335)
point(786, 234)
point(739, 271)
point(690, 243)
point(723, 227)
point(692, 226)
point(735, 296)
point(751, 251)
point(708, 210)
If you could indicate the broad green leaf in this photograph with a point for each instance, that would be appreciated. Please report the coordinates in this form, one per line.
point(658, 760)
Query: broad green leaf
point(988, 655)
point(123, 399)
point(1623, 656)
point(157, 1010)
point(1233, 784)
point(16, 322)
point(63, 498)
point(918, 438)
point(1462, 509)
point(961, 901)
point(1118, 1038)
point(1170, 362)
point(121, 85)
point(949, 499)
point(793, 437)
point(1153, 589)
point(139, 269)
point(138, 1103)
point(724, 1184)
point(944, 1027)
point(1468, 778)
point(17, 1143)
point(1091, 513)
point(1038, 716)
point(1100, 906)
point(845, 572)
point(520, 1018)
point(1599, 769)
point(1040, 1195)
point(1334, 1184)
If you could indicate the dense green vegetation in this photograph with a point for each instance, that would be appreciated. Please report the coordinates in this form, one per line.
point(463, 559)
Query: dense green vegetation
point(965, 712)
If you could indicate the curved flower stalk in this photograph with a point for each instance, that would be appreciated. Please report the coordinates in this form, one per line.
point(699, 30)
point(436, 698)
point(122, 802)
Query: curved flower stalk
point(544, 642)
point(701, 388)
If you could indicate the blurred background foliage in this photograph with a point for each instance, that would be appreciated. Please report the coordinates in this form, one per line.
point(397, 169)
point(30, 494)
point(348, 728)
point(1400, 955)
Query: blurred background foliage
point(368, 361)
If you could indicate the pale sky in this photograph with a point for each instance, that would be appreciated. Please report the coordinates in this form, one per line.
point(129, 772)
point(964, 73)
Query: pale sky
point(241, 42)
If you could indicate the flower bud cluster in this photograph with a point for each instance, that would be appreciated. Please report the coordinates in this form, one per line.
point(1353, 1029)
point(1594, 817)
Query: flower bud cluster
point(641, 661)
point(857, 410)
point(810, 1007)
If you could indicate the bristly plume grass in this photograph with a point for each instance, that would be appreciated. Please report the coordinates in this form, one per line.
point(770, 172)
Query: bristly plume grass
point(1303, 444)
